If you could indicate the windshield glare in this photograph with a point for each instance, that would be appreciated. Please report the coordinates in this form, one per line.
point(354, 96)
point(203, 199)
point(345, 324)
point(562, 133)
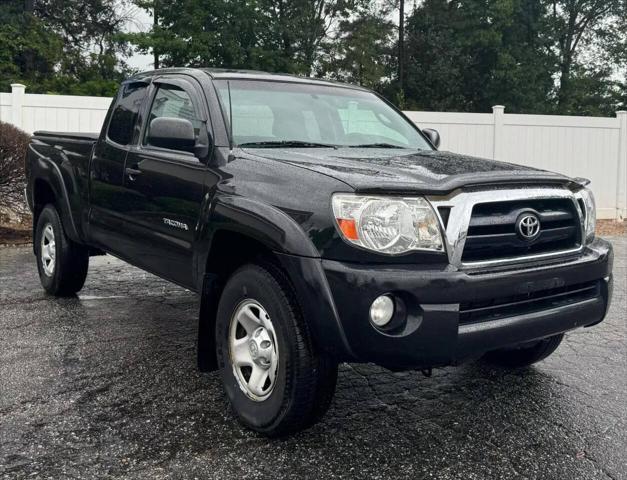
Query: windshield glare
point(267, 114)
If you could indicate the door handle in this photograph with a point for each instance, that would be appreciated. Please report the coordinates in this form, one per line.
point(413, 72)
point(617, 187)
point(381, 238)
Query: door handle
point(131, 173)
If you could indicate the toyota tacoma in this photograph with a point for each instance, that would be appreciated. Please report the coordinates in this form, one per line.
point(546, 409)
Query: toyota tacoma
point(319, 225)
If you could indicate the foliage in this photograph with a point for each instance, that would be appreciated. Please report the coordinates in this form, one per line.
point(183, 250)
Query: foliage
point(59, 46)
point(585, 24)
point(361, 52)
point(274, 35)
point(13, 144)
point(534, 56)
point(470, 55)
point(30, 49)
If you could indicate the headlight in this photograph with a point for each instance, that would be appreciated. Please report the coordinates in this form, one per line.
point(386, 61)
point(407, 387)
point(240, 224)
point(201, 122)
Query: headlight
point(390, 225)
point(586, 201)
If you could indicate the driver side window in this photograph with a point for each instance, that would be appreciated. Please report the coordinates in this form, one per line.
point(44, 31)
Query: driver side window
point(171, 101)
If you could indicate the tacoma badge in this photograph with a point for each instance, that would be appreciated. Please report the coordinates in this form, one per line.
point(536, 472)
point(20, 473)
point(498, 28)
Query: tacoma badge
point(175, 224)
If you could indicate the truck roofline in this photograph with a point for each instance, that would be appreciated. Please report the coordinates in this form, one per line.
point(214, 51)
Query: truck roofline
point(239, 74)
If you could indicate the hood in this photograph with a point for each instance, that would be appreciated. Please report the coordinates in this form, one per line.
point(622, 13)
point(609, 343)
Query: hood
point(378, 170)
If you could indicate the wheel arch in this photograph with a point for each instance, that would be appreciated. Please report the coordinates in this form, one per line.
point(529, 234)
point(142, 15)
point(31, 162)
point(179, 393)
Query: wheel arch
point(239, 231)
point(304, 276)
point(47, 186)
point(219, 265)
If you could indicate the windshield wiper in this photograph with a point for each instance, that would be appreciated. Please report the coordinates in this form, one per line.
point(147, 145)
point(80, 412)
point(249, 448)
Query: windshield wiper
point(375, 145)
point(286, 143)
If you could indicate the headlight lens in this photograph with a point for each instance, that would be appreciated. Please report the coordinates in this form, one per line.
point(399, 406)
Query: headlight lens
point(590, 211)
point(390, 225)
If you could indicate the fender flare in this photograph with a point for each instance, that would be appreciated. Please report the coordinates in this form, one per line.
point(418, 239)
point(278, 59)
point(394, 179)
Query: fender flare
point(265, 223)
point(46, 170)
point(298, 257)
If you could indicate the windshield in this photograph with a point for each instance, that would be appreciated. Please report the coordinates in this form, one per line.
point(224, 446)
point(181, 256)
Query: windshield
point(274, 114)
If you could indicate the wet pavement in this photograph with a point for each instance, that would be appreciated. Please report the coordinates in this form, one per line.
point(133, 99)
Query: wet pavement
point(105, 386)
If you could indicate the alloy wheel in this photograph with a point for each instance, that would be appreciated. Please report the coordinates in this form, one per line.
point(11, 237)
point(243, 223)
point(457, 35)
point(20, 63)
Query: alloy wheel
point(253, 350)
point(48, 250)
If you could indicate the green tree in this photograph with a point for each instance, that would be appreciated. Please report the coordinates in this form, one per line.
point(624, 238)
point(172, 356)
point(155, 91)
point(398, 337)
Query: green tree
point(274, 35)
point(361, 52)
point(207, 32)
point(536, 56)
point(584, 24)
point(29, 49)
point(306, 24)
point(62, 46)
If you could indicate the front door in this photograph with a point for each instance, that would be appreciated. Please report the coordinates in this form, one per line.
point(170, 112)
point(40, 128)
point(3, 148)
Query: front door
point(165, 188)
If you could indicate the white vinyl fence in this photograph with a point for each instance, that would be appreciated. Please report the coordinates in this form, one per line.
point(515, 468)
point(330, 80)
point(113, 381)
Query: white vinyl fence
point(590, 147)
point(63, 113)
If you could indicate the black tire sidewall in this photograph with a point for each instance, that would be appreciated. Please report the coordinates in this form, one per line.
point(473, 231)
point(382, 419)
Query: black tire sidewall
point(251, 282)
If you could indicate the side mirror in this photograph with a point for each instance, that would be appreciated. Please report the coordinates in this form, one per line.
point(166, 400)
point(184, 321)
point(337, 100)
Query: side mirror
point(172, 133)
point(433, 136)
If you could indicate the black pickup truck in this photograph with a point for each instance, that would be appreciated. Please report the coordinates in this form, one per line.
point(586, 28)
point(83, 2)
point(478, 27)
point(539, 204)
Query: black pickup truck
point(319, 225)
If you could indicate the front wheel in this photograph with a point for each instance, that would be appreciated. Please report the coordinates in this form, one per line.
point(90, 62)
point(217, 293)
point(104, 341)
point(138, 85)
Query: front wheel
point(62, 264)
point(275, 380)
point(518, 357)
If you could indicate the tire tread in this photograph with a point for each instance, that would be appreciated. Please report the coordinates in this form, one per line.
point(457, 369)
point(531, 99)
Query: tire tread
point(72, 259)
point(317, 374)
point(310, 377)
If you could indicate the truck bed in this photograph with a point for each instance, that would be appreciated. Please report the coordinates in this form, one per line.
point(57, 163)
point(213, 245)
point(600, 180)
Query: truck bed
point(62, 158)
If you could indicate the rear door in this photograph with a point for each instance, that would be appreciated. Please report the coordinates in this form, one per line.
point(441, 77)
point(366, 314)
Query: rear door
point(107, 192)
point(164, 188)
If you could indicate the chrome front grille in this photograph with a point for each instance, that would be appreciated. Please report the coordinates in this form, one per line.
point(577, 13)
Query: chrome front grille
point(481, 226)
point(492, 232)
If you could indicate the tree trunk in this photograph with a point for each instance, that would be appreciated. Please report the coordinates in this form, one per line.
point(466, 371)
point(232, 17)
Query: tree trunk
point(401, 45)
point(563, 95)
point(566, 47)
point(155, 26)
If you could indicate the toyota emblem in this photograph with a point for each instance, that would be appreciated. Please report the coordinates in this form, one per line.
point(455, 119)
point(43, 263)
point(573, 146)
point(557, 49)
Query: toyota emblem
point(528, 226)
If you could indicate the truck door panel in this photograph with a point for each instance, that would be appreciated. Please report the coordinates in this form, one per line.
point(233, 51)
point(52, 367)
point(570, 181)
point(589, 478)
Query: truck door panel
point(165, 189)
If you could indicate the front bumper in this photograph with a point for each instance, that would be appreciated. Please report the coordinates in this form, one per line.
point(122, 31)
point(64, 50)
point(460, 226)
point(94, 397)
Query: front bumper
point(437, 329)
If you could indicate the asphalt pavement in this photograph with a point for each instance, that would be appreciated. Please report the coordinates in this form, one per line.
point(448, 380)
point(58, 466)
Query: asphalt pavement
point(105, 386)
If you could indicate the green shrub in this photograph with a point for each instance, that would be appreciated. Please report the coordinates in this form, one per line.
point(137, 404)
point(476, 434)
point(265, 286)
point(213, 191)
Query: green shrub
point(13, 144)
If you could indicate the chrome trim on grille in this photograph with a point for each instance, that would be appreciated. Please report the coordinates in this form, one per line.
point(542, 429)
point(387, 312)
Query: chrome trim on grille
point(461, 205)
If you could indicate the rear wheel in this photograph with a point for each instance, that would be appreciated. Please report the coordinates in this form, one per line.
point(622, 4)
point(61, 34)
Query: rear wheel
point(524, 356)
point(62, 263)
point(276, 381)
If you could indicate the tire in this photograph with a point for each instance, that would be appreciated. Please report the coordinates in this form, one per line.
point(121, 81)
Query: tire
point(524, 356)
point(63, 266)
point(304, 383)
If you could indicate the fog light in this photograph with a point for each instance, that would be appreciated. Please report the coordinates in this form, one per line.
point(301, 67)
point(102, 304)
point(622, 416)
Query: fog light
point(382, 311)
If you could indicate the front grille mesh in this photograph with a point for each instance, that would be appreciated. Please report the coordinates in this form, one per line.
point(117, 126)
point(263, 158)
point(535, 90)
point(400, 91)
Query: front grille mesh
point(492, 231)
